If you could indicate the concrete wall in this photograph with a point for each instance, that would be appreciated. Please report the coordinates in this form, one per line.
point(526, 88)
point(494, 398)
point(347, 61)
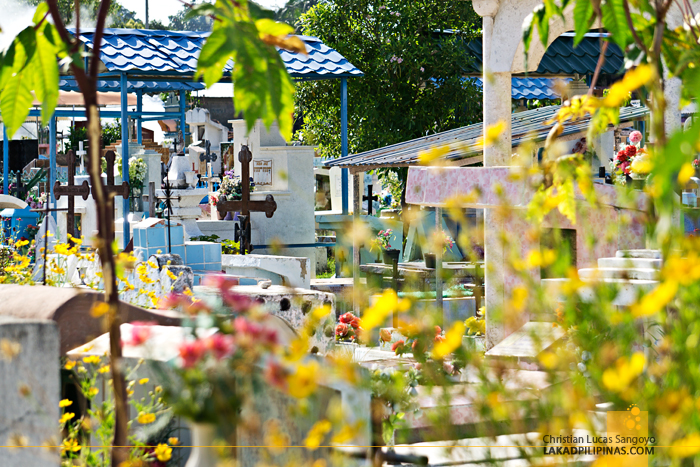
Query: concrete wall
point(30, 392)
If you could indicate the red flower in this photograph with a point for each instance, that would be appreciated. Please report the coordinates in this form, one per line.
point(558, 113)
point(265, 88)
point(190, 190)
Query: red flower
point(140, 332)
point(221, 345)
point(341, 330)
point(191, 352)
point(275, 374)
point(438, 330)
point(631, 151)
point(355, 323)
point(397, 345)
point(439, 338)
point(347, 318)
point(621, 156)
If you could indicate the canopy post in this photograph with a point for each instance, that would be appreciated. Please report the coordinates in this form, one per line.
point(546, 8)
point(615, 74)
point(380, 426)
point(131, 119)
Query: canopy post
point(139, 109)
point(125, 155)
point(183, 117)
point(52, 163)
point(344, 140)
point(5, 161)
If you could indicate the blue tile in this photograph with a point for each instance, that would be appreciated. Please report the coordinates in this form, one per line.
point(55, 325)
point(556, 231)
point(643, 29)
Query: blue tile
point(156, 237)
point(195, 253)
point(179, 250)
point(212, 253)
point(196, 266)
point(212, 267)
point(140, 236)
point(177, 235)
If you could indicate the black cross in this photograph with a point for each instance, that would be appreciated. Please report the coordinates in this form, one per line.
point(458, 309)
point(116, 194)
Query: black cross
point(245, 205)
point(369, 198)
point(19, 188)
point(167, 190)
point(71, 191)
point(207, 156)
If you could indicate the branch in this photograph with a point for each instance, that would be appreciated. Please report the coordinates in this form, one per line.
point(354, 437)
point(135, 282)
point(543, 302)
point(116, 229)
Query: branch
point(598, 67)
point(60, 27)
point(97, 40)
point(630, 24)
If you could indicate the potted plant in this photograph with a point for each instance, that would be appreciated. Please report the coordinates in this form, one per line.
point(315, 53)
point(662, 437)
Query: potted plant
point(381, 243)
point(632, 163)
point(440, 240)
point(475, 334)
point(137, 176)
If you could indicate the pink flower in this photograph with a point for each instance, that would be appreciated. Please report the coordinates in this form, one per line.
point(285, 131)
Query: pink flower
point(422, 69)
point(635, 137)
point(341, 329)
point(140, 332)
point(275, 374)
point(399, 60)
point(237, 302)
point(347, 318)
point(191, 352)
point(220, 281)
point(221, 345)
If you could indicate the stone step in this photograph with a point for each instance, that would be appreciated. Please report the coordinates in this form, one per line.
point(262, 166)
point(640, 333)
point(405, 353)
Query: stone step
point(619, 273)
point(650, 254)
point(626, 296)
point(627, 263)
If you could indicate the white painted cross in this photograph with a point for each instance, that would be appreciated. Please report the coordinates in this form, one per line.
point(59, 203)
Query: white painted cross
point(81, 153)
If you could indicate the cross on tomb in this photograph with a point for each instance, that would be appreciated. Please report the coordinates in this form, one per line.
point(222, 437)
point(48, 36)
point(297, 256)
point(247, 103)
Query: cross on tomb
point(118, 190)
point(71, 191)
point(207, 156)
point(46, 212)
point(245, 205)
point(167, 189)
point(369, 198)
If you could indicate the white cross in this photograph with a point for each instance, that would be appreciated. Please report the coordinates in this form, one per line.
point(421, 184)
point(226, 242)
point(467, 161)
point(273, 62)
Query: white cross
point(81, 153)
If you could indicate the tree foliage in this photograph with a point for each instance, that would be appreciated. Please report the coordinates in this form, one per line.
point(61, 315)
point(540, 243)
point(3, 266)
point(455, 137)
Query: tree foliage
point(413, 58)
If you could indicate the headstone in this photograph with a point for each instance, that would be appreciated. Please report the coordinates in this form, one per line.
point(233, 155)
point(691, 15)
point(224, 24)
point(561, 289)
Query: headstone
point(30, 392)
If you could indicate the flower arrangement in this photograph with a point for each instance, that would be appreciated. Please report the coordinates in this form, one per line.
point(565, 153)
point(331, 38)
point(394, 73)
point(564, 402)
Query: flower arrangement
point(348, 329)
point(632, 160)
point(696, 164)
point(137, 170)
point(35, 199)
point(231, 188)
point(381, 241)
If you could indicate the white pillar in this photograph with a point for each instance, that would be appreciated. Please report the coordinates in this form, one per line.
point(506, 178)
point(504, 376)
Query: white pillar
point(672, 94)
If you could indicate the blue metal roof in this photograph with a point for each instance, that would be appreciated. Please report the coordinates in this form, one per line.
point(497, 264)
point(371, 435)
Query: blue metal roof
point(563, 59)
point(151, 52)
point(69, 84)
point(531, 88)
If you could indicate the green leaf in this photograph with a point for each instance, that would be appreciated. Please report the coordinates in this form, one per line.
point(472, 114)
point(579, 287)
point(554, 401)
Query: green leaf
point(45, 69)
point(273, 28)
point(615, 22)
point(16, 99)
point(41, 11)
point(583, 19)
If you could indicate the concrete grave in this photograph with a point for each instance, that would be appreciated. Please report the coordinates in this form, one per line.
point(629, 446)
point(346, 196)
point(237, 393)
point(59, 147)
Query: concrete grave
point(70, 309)
point(282, 270)
point(30, 364)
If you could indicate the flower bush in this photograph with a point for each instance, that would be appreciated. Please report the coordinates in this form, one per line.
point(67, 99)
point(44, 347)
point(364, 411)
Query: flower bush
point(349, 328)
point(381, 241)
point(231, 188)
point(631, 160)
point(137, 170)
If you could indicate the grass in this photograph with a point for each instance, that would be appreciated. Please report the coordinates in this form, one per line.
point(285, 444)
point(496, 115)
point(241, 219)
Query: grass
point(329, 270)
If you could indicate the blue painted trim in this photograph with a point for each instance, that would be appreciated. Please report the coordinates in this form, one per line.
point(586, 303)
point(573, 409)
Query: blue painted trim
point(139, 108)
point(125, 155)
point(5, 161)
point(52, 163)
point(344, 177)
point(106, 114)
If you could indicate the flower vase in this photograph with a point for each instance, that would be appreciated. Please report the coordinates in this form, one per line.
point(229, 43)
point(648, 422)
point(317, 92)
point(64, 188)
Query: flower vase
point(203, 451)
point(391, 255)
point(429, 259)
point(136, 199)
point(229, 216)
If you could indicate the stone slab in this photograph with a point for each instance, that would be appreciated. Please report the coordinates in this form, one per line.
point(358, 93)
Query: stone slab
point(527, 342)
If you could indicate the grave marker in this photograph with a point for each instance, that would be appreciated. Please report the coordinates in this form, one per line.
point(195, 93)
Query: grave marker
point(71, 191)
point(245, 205)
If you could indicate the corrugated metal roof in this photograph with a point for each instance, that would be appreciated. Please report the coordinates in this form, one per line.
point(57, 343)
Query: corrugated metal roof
point(529, 125)
point(68, 84)
point(561, 58)
point(531, 88)
point(144, 51)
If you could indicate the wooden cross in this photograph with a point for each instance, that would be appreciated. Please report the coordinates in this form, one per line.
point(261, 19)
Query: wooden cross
point(117, 190)
point(245, 205)
point(369, 198)
point(207, 156)
point(71, 191)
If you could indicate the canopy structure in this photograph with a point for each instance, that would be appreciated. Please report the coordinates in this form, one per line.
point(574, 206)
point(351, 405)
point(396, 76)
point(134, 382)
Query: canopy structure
point(150, 61)
point(465, 149)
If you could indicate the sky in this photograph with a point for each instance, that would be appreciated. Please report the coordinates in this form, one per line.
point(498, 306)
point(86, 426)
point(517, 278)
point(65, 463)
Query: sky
point(161, 9)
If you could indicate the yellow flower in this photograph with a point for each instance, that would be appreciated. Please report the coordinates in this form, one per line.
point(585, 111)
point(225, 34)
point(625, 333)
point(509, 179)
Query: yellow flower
point(387, 303)
point(688, 446)
point(65, 417)
point(633, 79)
point(146, 418)
point(163, 452)
point(316, 434)
point(158, 389)
point(99, 309)
point(303, 382)
point(143, 381)
point(173, 441)
point(538, 258)
point(451, 342)
point(92, 392)
point(493, 132)
point(9, 349)
point(65, 403)
point(103, 369)
point(519, 298)
point(91, 359)
point(21, 243)
point(70, 445)
point(626, 370)
point(432, 154)
point(69, 365)
point(655, 300)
